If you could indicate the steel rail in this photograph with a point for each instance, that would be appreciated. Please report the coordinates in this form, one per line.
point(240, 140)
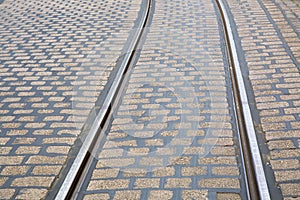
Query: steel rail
point(65, 191)
point(254, 167)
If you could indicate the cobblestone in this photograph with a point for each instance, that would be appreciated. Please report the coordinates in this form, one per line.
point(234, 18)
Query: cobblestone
point(228, 196)
point(178, 183)
point(108, 184)
point(31, 194)
point(14, 170)
point(6, 193)
point(103, 196)
point(219, 183)
point(130, 194)
point(46, 170)
point(147, 183)
point(290, 189)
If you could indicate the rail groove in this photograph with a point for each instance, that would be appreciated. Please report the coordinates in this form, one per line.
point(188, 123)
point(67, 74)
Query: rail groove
point(71, 183)
point(255, 175)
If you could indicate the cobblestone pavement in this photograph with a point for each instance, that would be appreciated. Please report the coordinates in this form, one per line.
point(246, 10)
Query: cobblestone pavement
point(173, 135)
point(51, 70)
point(269, 34)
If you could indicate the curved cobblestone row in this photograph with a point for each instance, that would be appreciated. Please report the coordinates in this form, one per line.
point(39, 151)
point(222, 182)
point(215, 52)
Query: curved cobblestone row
point(50, 52)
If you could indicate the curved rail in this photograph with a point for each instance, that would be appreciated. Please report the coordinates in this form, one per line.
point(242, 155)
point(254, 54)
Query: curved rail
point(70, 182)
point(255, 175)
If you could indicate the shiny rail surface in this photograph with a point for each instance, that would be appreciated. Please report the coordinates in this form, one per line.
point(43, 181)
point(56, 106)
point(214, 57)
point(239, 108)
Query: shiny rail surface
point(256, 177)
point(71, 181)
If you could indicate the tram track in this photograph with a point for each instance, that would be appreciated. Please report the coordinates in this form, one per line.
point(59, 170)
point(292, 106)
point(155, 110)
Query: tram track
point(257, 187)
point(252, 163)
point(71, 183)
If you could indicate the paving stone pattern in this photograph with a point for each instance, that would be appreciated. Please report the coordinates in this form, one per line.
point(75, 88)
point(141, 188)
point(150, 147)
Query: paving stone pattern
point(172, 135)
point(269, 34)
point(56, 57)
